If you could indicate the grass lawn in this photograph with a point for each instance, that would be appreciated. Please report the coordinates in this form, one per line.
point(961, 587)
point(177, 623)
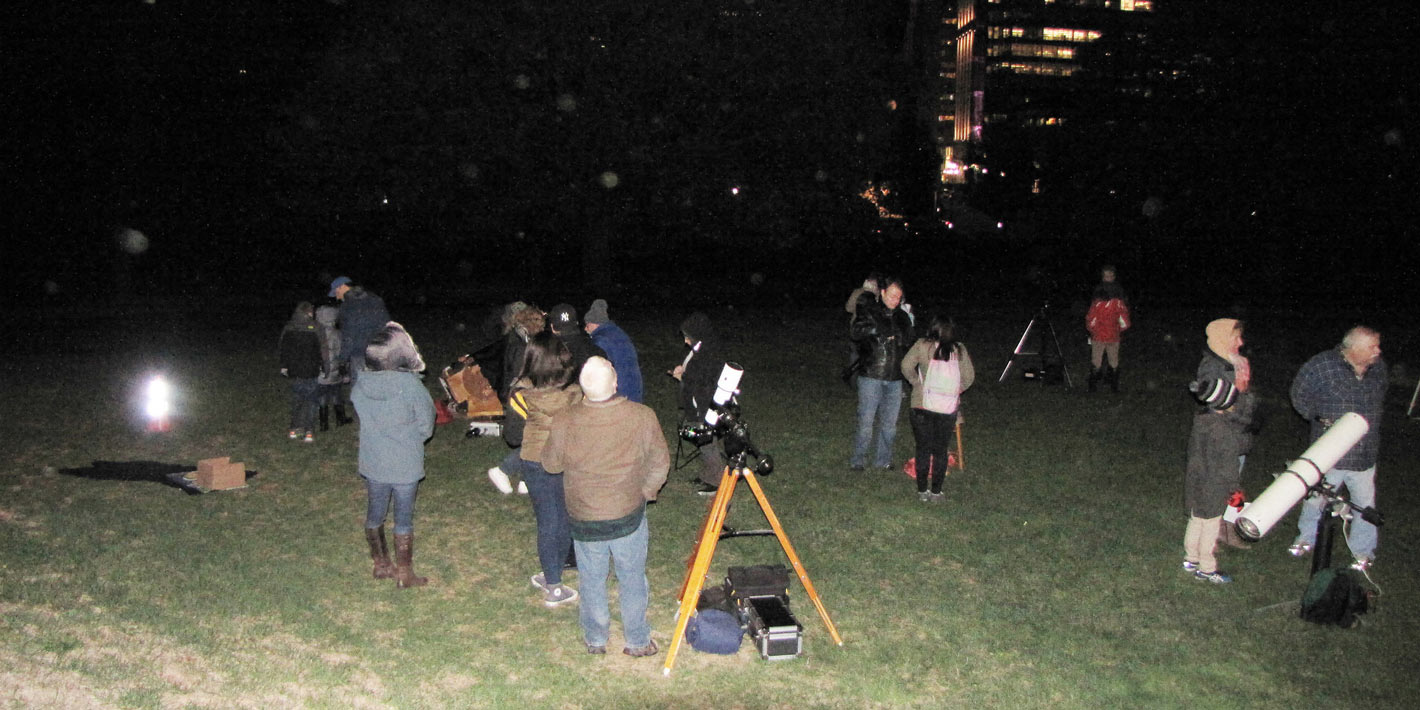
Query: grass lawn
point(1049, 579)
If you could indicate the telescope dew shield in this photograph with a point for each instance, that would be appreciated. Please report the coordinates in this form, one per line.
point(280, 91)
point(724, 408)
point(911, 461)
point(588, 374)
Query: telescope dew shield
point(726, 387)
point(1292, 485)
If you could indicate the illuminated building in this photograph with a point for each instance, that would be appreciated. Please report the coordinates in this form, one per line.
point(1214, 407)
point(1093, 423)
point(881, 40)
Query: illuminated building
point(1020, 65)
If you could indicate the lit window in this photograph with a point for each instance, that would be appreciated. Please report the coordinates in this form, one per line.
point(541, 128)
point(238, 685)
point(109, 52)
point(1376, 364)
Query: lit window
point(1065, 34)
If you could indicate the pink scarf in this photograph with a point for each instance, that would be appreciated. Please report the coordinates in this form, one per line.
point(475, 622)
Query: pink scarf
point(1242, 371)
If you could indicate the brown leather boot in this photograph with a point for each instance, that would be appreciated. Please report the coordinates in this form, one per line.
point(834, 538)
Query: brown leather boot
point(404, 563)
point(379, 552)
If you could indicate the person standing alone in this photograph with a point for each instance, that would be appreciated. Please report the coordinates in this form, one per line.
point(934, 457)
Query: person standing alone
point(1106, 321)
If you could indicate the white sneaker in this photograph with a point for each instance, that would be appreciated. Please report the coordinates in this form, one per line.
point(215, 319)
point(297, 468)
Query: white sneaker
point(539, 581)
point(500, 480)
point(1362, 564)
point(522, 488)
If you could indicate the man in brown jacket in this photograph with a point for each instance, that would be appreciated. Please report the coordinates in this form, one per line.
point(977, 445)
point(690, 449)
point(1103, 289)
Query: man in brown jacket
point(614, 459)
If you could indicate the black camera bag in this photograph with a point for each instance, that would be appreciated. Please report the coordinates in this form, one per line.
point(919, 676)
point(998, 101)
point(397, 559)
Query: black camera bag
point(758, 581)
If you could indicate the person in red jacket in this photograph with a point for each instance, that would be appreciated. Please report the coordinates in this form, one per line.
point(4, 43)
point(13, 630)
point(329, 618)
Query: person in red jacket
point(1106, 320)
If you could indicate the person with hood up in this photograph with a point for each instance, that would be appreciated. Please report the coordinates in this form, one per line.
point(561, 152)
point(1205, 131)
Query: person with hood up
point(1220, 437)
point(396, 418)
point(300, 348)
point(699, 374)
point(332, 380)
point(620, 351)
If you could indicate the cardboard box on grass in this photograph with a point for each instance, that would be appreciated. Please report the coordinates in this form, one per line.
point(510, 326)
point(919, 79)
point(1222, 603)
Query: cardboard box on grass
point(221, 473)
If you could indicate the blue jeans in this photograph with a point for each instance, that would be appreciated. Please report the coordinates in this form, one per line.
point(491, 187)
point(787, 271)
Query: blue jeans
point(1362, 488)
point(554, 530)
point(380, 493)
point(512, 464)
point(303, 403)
point(629, 555)
point(879, 400)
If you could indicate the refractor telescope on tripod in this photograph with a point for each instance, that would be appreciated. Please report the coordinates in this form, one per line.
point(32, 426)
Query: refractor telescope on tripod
point(723, 421)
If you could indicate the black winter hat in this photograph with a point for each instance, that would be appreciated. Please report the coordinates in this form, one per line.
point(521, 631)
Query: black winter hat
point(697, 327)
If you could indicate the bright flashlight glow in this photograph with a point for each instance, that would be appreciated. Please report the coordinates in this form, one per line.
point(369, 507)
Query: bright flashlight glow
point(158, 392)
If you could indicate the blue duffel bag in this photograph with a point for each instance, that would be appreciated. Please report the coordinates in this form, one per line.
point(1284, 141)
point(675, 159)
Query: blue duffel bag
point(714, 631)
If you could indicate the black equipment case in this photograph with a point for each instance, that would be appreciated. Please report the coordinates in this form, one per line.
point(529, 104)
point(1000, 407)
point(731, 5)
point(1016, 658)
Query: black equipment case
point(776, 633)
point(761, 594)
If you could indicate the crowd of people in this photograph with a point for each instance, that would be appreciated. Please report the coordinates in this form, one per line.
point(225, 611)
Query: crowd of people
point(585, 450)
point(590, 455)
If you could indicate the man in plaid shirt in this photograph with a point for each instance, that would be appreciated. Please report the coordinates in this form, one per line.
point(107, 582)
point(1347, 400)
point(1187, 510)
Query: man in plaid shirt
point(1349, 378)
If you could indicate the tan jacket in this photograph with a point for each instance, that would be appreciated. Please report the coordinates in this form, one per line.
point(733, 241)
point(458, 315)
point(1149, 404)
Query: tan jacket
point(612, 454)
point(916, 359)
point(542, 404)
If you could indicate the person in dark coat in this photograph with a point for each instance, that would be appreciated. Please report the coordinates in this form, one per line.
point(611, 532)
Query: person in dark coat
point(396, 418)
point(362, 314)
point(620, 351)
point(882, 328)
point(300, 347)
point(565, 325)
point(1220, 438)
point(699, 374)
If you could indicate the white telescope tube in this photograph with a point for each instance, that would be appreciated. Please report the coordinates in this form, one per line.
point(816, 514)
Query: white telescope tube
point(1292, 485)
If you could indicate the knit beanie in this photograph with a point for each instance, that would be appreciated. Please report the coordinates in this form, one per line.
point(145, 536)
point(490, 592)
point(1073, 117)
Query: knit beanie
point(597, 313)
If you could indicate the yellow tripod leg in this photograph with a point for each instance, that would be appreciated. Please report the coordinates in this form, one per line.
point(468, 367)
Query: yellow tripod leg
point(700, 563)
point(961, 453)
point(708, 524)
point(793, 557)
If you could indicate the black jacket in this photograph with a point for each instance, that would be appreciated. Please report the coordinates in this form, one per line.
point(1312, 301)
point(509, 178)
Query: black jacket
point(362, 314)
point(300, 352)
point(702, 373)
point(883, 338)
point(582, 348)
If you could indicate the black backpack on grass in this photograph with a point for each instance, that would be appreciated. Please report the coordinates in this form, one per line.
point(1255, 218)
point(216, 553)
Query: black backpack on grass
point(1335, 596)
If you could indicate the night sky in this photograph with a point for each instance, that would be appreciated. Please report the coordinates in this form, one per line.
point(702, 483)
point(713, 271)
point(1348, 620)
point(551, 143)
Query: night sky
point(236, 139)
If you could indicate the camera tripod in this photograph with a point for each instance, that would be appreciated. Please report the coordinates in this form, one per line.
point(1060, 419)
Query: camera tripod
point(711, 532)
point(1041, 325)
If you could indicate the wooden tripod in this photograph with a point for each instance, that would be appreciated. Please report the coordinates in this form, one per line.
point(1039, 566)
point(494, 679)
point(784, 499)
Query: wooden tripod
point(705, 550)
